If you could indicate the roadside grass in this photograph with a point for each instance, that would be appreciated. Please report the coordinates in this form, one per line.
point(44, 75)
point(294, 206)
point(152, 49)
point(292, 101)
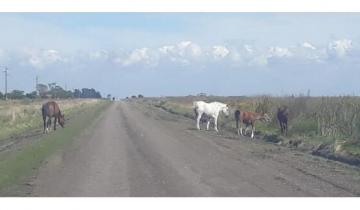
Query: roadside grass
point(21, 164)
point(353, 148)
point(17, 116)
point(314, 122)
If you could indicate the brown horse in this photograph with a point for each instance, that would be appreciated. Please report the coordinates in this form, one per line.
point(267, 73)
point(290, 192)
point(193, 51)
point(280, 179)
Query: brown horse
point(249, 118)
point(49, 110)
point(282, 115)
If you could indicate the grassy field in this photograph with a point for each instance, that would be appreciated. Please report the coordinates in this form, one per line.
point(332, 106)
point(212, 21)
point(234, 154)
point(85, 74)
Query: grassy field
point(18, 116)
point(327, 126)
point(16, 166)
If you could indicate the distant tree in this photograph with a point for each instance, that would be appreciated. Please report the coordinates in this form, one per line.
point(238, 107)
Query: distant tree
point(90, 93)
point(201, 94)
point(42, 89)
point(133, 96)
point(77, 93)
point(97, 94)
point(1, 96)
point(108, 96)
point(58, 92)
point(31, 95)
point(140, 96)
point(16, 94)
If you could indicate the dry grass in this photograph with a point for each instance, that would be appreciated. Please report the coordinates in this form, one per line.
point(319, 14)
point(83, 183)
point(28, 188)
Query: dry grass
point(20, 115)
point(312, 121)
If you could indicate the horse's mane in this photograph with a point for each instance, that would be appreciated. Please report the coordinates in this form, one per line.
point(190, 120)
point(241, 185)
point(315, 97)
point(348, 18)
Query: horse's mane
point(220, 103)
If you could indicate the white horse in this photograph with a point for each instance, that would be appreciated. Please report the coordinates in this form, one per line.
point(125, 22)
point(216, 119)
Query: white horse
point(212, 109)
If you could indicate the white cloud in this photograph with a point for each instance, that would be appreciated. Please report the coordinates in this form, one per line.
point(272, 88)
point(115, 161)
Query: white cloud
point(184, 53)
point(136, 56)
point(249, 49)
point(235, 55)
point(41, 58)
point(279, 52)
point(261, 60)
point(99, 55)
point(219, 51)
point(308, 46)
point(52, 56)
point(188, 48)
point(340, 47)
point(167, 49)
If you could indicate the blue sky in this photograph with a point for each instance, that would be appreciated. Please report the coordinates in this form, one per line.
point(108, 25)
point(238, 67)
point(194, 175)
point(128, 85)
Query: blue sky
point(184, 53)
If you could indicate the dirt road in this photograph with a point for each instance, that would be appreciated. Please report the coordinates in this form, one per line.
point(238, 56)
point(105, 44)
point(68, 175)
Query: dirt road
point(138, 150)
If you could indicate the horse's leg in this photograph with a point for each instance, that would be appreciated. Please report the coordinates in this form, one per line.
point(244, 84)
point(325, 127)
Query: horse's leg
point(252, 130)
point(48, 125)
point(55, 119)
point(208, 124)
point(237, 127)
point(283, 127)
point(286, 128)
point(215, 123)
point(246, 128)
point(241, 128)
point(44, 119)
point(198, 120)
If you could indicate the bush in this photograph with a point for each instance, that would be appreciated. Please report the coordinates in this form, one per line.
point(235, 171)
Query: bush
point(16, 94)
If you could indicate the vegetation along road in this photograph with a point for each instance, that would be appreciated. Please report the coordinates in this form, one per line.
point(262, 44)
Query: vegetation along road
point(136, 149)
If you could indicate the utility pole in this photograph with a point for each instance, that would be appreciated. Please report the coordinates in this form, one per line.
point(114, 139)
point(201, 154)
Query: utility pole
point(6, 75)
point(36, 84)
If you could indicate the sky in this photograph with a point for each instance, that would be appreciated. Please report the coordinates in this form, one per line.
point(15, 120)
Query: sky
point(174, 54)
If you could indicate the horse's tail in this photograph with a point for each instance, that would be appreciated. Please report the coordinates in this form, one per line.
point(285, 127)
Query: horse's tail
point(195, 107)
point(196, 112)
point(237, 118)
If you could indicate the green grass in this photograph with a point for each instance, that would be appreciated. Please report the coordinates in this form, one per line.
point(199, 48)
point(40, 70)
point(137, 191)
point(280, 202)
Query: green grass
point(303, 126)
point(353, 148)
point(20, 164)
point(19, 116)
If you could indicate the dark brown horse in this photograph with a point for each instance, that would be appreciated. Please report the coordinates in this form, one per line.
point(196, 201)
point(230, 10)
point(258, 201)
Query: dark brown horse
point(51, 110)
point(248, 118)
point(282, 115)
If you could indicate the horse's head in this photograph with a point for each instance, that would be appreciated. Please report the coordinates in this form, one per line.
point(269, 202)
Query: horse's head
point(61, 120)
point(225, 110)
